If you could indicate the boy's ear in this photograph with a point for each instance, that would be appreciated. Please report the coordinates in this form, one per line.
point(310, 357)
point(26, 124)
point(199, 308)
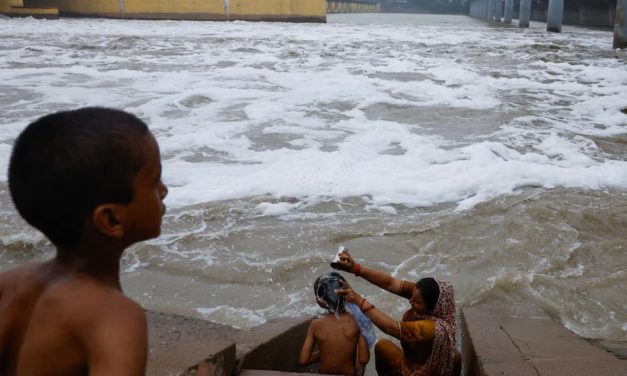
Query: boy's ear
point(109, 220)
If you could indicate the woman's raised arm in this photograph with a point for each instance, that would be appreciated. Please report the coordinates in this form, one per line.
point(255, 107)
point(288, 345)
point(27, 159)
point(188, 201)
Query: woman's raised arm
point(376, 277)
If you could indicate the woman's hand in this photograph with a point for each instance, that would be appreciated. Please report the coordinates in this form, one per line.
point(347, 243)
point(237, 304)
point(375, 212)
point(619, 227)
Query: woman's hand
point(349, 294)
point(346, 262)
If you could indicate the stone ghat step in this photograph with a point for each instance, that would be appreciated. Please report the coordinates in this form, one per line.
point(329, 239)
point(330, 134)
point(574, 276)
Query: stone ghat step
point(177, 344)
point(258, 372)
point(496, 342)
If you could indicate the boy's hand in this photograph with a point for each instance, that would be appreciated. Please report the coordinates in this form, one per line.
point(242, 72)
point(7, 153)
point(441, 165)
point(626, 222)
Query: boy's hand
point(346, 262)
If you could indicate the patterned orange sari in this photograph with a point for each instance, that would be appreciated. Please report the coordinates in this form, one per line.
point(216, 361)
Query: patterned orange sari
point(410, 360)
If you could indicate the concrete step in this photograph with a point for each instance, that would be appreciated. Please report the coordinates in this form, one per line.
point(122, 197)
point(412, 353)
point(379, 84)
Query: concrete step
point(258, 372)
point(495, 343)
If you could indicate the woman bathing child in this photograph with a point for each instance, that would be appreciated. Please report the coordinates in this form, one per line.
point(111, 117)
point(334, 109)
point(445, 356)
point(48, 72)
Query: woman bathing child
point(343, 335)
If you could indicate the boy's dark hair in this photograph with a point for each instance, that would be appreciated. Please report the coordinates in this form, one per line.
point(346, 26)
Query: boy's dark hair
point(430, 292)
point(324, 288)
point(65, 164)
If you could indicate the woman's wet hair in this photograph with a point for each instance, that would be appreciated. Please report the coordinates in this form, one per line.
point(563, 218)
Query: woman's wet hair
point(430, 292)
point(65, 164)
point(324, 288)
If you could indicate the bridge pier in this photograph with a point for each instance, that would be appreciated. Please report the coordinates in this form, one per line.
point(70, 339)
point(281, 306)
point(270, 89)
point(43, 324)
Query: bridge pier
point(620, 25)
point(524, 14)
point(498, 10)
point(490, 10)
point(555, 16)
point(509, 11)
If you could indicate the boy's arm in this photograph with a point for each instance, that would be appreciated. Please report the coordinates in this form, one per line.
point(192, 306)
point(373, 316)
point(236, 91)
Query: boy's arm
point(306, 356)
point(363, 353)
point(118, 343)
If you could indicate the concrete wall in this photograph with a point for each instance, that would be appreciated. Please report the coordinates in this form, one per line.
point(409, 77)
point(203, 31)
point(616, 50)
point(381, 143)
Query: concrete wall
point(15, 8)
point(277, 9)
point(178, 343)
point(267, 10)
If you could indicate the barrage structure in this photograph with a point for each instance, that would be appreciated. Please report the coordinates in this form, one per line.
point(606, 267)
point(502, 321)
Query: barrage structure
point(556, 12)
point(216, 10)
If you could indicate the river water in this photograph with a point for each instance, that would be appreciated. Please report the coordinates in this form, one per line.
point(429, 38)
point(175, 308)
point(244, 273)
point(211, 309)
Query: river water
point(429, 145)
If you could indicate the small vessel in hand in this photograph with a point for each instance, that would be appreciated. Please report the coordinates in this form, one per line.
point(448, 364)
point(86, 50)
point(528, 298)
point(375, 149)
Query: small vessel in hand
point(336, 261)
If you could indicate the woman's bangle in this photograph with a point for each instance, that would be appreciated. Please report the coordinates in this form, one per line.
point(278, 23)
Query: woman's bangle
point(369, 308)
point(357, 270)
point(361, 305)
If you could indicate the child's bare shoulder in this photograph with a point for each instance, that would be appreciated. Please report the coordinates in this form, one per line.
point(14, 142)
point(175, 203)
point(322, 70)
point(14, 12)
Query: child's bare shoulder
point(84, 316)
point(86, 301)
point(13, 277)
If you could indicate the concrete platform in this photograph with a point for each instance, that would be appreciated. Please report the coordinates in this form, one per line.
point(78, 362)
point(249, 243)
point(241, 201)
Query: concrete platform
point(497, 342)
point(177, 344)
point(256, 372)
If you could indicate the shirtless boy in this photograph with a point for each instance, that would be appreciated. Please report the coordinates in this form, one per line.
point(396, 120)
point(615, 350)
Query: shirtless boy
point(342, 350)
point(90, 180)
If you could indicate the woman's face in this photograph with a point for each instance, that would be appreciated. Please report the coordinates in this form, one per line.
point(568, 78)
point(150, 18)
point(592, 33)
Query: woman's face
point(417, 304)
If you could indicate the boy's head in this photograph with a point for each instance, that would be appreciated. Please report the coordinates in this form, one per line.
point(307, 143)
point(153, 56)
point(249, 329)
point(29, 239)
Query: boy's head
point(67, 164)
point(325, 287)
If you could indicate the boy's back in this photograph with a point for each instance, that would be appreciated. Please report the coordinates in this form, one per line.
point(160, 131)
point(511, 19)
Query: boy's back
point(342, 347)
point(337, 339)
point(65, 320)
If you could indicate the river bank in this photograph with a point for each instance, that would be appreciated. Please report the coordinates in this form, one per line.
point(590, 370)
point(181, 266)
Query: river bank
point(493, 157)
point(495, 340)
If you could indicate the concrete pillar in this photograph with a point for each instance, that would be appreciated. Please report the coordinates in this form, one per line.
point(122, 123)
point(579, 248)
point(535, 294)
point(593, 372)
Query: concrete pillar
point(498, 10)
point(122, 8)
point(555, 16)
point(525, 13)
point(491, 10)
point(620, 25)
point(509, 11)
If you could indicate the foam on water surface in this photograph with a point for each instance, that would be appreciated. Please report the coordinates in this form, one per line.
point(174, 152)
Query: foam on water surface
point(242, 109)
point(422, 136)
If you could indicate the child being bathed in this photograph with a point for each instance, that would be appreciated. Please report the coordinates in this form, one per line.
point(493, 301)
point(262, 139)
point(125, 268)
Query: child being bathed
point(343, 334)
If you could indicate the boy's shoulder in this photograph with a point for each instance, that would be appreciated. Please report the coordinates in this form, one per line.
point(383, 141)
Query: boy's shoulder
point(42, 311)
point(88, 303)
point(77, 299)
point(331, 320)
point(21, 282)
